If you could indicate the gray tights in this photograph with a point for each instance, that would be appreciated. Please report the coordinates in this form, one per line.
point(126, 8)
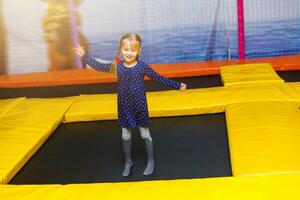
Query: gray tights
point(145, 134)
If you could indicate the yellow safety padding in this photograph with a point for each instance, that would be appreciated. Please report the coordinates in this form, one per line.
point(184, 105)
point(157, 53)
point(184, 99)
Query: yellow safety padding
point(275, 187)
point(190, 102)
point(262, 92)
point(295, 86)
point(249, 74)
point(24, 128)
point(161, 104)
point(264, 137)
point(92, 107)
point(7, 104)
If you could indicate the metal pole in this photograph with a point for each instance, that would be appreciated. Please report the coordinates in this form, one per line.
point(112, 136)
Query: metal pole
point(241, 30)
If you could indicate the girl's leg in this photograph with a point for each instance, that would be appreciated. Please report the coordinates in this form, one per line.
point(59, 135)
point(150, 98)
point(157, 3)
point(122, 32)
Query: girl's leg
point(126, 136)
point(145, 134)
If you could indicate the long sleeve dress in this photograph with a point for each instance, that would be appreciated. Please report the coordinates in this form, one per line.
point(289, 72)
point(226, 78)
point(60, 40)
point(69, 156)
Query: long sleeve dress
point(132, 102)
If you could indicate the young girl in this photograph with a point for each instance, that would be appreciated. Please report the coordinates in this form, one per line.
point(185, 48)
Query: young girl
point(132, 103)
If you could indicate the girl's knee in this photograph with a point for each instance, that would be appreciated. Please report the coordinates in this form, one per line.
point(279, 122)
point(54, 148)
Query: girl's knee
point(145, 133)
point(126, 134)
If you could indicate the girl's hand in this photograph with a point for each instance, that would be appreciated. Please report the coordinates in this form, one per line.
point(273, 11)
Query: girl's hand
point(79, 50)
point(183, 87)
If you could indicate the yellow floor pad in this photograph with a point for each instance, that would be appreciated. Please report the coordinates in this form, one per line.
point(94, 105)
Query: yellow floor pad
point(24, 128)
point(295, 86)
point(92, 107)
point(7, 104)
point(161, 104)
point(249, 74)
point(275, 187)
point(190, 102)
point(264, 137)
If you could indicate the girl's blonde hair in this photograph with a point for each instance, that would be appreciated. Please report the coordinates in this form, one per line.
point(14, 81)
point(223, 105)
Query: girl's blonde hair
point(129, 36)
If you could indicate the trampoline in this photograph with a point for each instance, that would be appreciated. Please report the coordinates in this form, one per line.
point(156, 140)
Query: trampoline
point(91, 152)
point(57, 160)
point(193, 151)
point(203, 151)
point(233, 134)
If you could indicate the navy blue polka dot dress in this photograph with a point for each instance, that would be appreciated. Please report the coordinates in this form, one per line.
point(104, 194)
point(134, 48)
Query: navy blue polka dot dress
point(132, 102)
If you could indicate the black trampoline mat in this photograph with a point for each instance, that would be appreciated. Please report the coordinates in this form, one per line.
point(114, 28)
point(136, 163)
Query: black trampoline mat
point(289, 76)
point(89, 152)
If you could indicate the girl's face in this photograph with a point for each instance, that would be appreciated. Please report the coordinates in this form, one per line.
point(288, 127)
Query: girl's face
point(130, 50)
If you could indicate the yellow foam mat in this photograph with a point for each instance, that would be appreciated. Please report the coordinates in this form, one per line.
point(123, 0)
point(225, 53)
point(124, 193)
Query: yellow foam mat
point(263, 92)
point(92, 107)
point(190, 102)
point(264, 137)
point(275, 187)
point(7, 104)
point(24, 128)
point(167, 103)
point(249, 74)
point(295, 86)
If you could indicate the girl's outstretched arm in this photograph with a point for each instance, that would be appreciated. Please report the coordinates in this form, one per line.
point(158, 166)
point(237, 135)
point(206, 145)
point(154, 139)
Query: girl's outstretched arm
point(92, 62)
point(165, 81)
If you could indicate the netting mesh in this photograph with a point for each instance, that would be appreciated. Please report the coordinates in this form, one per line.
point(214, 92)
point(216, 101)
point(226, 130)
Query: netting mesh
point(36, 35)
point(272, 28)
point(172, 31)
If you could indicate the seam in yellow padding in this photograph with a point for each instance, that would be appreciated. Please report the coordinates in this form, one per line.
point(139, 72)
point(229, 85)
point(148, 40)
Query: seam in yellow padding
point(24, 128)
point(264, 137)
point(249, 74)
point(7, 104)
point(294, 87)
